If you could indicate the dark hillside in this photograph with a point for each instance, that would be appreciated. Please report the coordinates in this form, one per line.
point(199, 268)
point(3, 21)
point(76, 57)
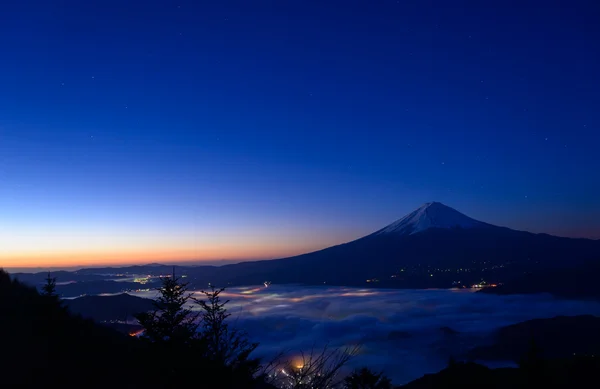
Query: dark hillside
point(43, 345)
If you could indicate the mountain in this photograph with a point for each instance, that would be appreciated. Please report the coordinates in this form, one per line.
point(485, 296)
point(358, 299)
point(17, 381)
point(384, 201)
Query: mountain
point(468, 376)
point(433, 246)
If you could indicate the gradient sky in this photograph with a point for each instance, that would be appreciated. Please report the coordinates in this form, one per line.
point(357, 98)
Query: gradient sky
point(173, 130)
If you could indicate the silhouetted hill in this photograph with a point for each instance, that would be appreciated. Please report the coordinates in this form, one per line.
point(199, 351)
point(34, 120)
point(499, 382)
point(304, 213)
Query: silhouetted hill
point(37, 279)
point(151, 268)
point(467, 376)
point(76, 289)
point(565, 373)
point(41, 341)
point(558, 337)
point(106, 308)
point(578, 282)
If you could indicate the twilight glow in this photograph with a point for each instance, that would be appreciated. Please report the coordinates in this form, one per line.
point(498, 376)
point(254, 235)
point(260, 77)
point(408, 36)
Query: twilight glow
point(181, 132)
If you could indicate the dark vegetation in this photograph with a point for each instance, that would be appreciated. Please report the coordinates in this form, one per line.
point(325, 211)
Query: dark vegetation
point(43, 344)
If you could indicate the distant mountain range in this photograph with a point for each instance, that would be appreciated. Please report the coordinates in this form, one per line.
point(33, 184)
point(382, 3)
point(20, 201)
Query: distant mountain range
point(433, 246)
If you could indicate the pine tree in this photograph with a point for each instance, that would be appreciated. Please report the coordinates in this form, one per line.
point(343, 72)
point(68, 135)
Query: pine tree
point(225, 346)
point(171, 321)
point(49, 288)
point(214, 327)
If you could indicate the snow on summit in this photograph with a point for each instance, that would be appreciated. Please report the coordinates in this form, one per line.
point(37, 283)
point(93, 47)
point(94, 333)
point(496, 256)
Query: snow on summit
point(430, 215)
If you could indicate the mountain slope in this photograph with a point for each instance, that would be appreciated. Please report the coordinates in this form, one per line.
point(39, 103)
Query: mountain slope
point(43, 343)
point(431, 247)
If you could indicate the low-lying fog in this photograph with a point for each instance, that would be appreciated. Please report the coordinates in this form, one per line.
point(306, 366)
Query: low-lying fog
point(405, 333)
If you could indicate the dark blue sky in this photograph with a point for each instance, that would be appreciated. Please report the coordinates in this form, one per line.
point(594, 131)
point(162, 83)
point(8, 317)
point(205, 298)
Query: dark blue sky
point(262, 128)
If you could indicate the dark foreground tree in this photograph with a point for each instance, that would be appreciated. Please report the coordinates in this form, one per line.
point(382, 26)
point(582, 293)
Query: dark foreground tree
point(226, 348)
point(318, 369)
point(190, 346)
point(49, 288)
point(172, 320)
point(170, 332)
point(366, 379)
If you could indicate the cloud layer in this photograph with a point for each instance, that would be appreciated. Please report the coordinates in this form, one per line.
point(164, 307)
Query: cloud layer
point(405, 333)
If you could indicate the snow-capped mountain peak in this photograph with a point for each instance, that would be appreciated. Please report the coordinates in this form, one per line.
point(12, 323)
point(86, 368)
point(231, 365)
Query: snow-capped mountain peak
point(430, 215)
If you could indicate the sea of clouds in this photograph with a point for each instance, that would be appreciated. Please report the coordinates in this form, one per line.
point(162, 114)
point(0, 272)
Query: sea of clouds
point(405, 333)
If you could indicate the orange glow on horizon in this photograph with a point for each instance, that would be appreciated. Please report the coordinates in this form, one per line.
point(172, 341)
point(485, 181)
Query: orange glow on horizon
point(124, 257)
point(73, 246)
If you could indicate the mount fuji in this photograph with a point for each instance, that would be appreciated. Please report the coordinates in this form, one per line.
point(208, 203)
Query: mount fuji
point(433, 246)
